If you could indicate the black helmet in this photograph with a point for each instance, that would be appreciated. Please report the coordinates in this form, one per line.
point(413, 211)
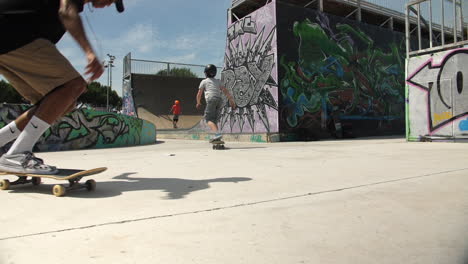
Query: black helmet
point(210, 71)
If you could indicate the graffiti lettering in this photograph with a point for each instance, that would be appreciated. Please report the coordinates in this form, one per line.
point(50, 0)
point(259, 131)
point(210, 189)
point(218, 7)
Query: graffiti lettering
point(245, 25)
point(444, 84)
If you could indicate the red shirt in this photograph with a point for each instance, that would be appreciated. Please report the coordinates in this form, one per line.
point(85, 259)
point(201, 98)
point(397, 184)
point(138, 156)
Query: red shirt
point(176, 109)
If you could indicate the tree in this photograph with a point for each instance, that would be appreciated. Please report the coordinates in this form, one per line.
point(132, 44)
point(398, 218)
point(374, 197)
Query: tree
point(8, 94)
point(178, 72)
point(97, 96)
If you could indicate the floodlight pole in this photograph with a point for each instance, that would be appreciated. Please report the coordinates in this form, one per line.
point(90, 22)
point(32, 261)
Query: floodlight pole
point(109, 65)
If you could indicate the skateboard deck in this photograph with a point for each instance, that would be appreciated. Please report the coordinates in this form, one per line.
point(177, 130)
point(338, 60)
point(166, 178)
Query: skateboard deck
point(218, 144)
point(72, 175)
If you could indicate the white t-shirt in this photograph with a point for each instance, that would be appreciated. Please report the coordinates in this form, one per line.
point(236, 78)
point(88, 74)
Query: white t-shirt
point(212, 88)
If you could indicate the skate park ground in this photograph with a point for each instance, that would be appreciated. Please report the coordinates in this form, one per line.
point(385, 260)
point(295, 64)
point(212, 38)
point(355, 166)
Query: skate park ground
point(373, 200)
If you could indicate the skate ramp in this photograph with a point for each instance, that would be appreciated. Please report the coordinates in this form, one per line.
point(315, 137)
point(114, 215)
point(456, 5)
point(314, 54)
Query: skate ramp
point(165, 121)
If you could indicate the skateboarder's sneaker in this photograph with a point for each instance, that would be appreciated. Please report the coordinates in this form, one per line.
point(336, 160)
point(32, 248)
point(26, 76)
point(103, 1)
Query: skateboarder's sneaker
point(217, 137)
point(25, 163)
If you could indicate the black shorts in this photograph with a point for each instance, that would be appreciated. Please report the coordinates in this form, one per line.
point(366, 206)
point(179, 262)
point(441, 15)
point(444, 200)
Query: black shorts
point(175, 118)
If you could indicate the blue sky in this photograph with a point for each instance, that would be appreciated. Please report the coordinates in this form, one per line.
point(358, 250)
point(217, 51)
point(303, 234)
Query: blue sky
point(184, 31)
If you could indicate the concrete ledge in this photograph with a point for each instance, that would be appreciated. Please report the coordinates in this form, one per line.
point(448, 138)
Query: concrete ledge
point(241, 137)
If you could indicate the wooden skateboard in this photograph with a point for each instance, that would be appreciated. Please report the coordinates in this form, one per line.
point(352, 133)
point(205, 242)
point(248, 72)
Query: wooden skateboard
point(218, 144)
point(72, 175)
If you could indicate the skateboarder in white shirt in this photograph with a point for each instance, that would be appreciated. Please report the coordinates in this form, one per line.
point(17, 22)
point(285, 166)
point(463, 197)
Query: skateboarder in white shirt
point(212, 89)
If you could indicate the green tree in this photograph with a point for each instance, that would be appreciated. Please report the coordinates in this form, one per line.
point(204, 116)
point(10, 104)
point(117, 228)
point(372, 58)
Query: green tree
point(8, 94)
point(178, 72)
point(97, 96)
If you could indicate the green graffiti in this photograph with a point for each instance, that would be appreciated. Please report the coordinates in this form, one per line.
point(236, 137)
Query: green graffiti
point(84, 128)
point(257, 138)
point(342, 67)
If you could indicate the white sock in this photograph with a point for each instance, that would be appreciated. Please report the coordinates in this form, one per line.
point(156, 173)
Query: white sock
point(31, 133)
point(8, 133)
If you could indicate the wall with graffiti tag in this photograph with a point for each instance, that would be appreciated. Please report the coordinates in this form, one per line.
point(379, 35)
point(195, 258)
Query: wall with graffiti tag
point(333, 65)
point(85, 128)
point(437, 95)
point(250, 74)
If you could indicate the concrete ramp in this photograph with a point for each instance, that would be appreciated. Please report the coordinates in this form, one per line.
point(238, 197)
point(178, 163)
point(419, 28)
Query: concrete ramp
point(165, 121)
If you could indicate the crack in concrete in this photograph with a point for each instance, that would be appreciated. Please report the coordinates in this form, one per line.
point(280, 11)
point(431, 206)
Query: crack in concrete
point(229, 207)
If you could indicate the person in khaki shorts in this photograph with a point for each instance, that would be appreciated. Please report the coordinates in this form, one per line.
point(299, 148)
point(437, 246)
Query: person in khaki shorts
point(30, 61)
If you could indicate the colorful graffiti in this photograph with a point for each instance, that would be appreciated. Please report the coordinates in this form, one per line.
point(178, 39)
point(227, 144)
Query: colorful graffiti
point(441, 98)
point(85, 128)
point(336, 64)
point(250, 74)
point(128, 105)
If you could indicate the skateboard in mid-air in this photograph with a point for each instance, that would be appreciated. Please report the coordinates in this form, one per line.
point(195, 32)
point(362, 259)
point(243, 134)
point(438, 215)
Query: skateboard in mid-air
point(72, 175)
point(218, 144)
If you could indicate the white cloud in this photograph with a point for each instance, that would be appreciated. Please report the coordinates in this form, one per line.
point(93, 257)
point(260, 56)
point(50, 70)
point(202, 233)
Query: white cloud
point(141, 37)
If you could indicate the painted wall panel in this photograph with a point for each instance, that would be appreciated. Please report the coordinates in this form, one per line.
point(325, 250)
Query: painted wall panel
point(250, 74)
point(438, 95)
point(86, 128)
point(328, 62)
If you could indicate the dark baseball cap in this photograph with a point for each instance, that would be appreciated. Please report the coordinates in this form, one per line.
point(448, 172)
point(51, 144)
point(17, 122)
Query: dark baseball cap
point(119, 5)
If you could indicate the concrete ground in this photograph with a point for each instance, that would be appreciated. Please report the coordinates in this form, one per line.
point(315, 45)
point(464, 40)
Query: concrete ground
point(352, 201)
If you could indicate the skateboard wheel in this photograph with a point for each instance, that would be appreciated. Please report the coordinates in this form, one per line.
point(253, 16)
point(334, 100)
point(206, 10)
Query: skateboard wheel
point(59, 190)
point(4, 184)
point(36, 181)
point(90, 185)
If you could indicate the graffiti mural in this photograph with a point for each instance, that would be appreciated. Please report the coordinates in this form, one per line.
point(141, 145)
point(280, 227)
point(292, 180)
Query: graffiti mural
point(250, 74)
point(331, 64)
point(438, 94)
point(128, 104)
point(85, 128)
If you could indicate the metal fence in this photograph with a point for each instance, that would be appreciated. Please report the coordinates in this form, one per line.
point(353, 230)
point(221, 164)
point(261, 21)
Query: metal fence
point(435, 25)
point(168, 68)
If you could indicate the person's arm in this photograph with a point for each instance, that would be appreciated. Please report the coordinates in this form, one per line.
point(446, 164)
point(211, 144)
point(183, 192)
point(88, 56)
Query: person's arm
point(229, 97)
point(199, 96)
point(71, 20)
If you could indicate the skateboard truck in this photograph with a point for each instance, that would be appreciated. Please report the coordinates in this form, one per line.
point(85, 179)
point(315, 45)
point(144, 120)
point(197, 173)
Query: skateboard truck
point(218, 145)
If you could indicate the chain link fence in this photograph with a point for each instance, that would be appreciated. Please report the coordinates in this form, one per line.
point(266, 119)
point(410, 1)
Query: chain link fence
point(168, 68)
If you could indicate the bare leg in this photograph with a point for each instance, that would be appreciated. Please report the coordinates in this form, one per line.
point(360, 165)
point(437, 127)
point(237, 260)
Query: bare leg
point(60, 101)
point(52, 107)
point(213, 126)
point(24, 118)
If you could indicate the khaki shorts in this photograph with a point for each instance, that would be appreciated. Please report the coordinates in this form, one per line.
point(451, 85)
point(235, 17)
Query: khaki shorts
point(36, 69)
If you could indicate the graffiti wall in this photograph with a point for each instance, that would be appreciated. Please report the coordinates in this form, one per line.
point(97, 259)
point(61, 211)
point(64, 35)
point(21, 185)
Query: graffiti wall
point(250, 74)
point(438, 95)
point(336, 66)
point(128, 104)
point(84, 128)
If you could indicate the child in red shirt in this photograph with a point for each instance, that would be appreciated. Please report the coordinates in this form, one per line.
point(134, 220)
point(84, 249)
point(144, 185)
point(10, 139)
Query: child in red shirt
point(176, 110)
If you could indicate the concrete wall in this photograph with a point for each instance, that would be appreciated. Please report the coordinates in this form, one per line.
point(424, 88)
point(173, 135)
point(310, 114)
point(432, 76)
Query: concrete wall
point(331, 62)
point(437, 95)
point(85, 128)
point(250, 74)
point(157, 94)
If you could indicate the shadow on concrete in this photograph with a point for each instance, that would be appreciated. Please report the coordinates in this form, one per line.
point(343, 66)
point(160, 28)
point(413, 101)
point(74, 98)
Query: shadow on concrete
point(174, 187)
